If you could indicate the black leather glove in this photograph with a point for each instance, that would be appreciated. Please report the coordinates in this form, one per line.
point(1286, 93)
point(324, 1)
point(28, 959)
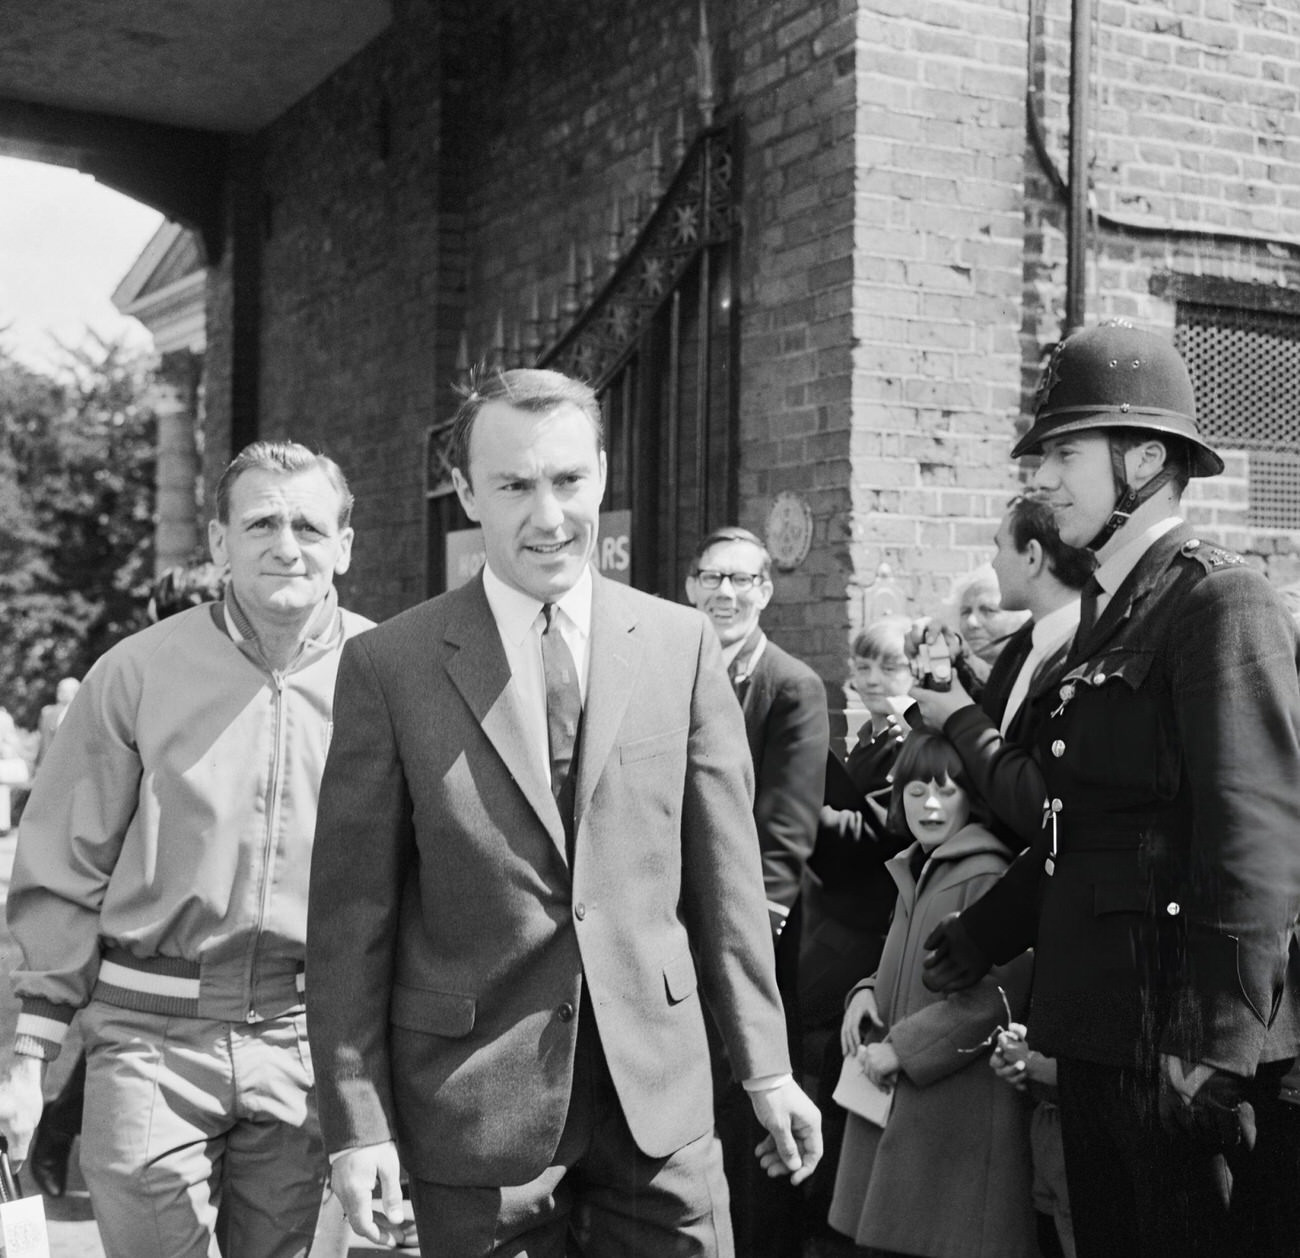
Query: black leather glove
point(1218, 1118)
point(955, 960)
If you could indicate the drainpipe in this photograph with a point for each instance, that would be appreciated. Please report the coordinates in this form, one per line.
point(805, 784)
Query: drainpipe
point(1076, 265)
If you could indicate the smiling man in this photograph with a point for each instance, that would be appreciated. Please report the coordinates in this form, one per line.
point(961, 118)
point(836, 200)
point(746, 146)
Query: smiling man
point(1161, 893)
point(161, 887)
point(535, 859)
point(784, 705)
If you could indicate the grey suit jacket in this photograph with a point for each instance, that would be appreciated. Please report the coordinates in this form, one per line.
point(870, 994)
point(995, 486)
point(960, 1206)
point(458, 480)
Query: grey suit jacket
point(449, 938)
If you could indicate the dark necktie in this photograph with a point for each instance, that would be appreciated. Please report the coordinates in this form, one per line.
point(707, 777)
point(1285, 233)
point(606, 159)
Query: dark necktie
point(563, 713)
point(1088, 608)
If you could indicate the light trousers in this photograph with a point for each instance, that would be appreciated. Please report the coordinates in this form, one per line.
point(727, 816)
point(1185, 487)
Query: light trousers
point(200, 1138)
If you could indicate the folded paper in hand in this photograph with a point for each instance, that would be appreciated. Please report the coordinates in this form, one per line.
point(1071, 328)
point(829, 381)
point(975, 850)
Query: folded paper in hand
point(857, 1094)
point(22, 1229)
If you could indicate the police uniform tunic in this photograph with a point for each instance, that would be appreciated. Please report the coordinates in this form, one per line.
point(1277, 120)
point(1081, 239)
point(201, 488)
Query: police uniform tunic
point(1163, 888)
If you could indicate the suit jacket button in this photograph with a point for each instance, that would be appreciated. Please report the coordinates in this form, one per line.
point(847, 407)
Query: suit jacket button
point(1173, 908)
point(579, 911)
point(565, 1012)
point(1058, 748)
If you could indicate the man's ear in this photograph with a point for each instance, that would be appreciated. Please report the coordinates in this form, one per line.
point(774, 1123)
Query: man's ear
point(1145, 460)
point(465, 492)
point(1034, 556)
point(763, 592)
point(692, 590)
point(217, 543)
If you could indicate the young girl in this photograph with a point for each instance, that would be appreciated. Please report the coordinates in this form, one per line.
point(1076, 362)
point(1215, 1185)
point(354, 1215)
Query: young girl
point(949, 1174)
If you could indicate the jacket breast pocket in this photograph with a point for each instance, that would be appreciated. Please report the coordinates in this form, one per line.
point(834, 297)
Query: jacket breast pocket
point(449, 1014)
point(1114, 735)
point(654, 747)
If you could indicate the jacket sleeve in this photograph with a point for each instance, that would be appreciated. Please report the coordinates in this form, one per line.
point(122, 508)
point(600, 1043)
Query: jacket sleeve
point(1003, 922)
point(363, 847)
point(71, 834)
point(790, 787)
point(722, 887)
point(1005, 776)
point(1237, 708)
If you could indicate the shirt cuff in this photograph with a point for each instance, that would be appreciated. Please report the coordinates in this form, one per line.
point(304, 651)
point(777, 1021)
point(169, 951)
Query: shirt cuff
point(338, 1153)
point(767, 1083)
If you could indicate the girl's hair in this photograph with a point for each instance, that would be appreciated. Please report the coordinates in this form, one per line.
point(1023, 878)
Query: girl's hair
point(923, 756)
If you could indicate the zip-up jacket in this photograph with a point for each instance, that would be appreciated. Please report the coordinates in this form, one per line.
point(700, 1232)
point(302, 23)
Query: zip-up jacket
point(164, 853)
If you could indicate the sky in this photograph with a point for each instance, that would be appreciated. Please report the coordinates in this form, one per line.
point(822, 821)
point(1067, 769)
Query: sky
point(65, 244)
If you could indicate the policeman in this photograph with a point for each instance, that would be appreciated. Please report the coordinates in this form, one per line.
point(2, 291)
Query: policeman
point(1162, 890)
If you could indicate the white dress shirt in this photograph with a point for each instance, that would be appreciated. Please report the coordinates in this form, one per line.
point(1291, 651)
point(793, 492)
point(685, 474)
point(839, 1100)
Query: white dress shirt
point(1111, 574)
point(1048, 633)
point(520, 622)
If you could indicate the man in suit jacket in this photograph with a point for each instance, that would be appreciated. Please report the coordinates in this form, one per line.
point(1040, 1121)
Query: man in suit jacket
point(518, 907)
point(1162, 889)
point(996, 738)
point(784, 705)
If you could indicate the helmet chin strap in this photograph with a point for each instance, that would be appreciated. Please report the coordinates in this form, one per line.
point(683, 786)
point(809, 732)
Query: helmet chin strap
point(1127, 499)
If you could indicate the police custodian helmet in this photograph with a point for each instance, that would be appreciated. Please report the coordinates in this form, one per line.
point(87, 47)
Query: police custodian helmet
point(1117, 376)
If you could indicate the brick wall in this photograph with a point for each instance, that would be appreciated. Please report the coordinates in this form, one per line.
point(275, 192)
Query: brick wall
point(1195, 164)
point(361, 266)
point(901, 256)
point(939, 227)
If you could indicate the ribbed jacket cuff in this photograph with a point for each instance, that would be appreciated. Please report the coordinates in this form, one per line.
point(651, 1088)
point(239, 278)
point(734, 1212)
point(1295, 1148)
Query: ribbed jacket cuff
point(42, 1027)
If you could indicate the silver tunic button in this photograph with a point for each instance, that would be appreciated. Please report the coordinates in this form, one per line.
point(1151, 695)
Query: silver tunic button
point(1098, 678)
point(1173, 908)
point(1058, 749)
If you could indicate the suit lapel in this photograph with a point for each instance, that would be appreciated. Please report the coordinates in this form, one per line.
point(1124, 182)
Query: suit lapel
point(614, 659)
point(479, 670)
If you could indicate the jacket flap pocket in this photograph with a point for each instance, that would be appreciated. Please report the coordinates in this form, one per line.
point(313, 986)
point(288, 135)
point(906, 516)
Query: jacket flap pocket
point(434, 1013)
point(679, 977)
point(1130, 667)
point(655, 745)
point(1118, 897)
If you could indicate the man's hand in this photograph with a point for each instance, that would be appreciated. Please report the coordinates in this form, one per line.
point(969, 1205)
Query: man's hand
point(353, 1177)
point(1184, 1077)
point(793, 1145)
point(861, 1006)
point(21, 1103)
point(1205, 1105)
point(938, 705)
point(953, 960)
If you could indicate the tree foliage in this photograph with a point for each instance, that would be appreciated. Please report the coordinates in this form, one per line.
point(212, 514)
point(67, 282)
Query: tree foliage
point(76, 516)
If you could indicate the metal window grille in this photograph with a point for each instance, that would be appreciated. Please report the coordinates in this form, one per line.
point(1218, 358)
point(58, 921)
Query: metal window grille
point(1245, 368)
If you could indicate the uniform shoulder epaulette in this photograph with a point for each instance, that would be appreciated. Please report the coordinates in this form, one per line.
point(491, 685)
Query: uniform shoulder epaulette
point(1210, 557)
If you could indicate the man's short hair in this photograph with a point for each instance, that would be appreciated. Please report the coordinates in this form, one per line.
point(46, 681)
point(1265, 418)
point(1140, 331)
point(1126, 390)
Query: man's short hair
point(286, 457)
point(1032, 520)
point(733, 533)
point(532, 389)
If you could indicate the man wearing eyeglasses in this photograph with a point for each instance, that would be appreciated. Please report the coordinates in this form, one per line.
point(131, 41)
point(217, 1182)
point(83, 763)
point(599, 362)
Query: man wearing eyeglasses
point(784, 703)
